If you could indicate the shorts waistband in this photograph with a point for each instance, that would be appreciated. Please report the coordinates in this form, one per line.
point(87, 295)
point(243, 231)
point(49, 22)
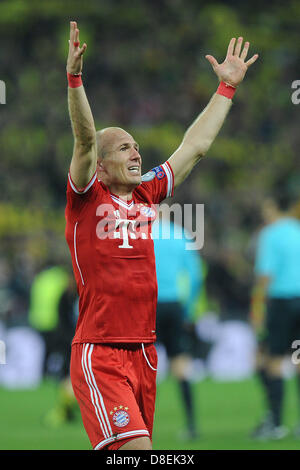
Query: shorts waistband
point(129, 346)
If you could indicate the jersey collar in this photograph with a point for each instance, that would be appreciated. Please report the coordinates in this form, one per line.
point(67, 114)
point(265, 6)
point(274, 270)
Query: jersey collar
point(125, 204)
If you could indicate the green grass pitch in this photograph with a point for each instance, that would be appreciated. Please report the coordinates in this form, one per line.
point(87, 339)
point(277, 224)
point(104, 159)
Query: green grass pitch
point(226, 413)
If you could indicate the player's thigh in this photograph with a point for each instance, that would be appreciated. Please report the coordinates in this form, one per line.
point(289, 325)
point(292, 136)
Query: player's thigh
point(262, 355)
point(275, 365)
point(141, 443)
point(180, 366)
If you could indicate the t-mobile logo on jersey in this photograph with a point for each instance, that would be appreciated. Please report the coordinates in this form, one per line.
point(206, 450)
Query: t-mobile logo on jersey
point(124, 225)
point(123, 228)
point(142, 221)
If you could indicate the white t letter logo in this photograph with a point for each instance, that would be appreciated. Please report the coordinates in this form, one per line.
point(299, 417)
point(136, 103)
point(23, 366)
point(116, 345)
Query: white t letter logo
point(124, 230)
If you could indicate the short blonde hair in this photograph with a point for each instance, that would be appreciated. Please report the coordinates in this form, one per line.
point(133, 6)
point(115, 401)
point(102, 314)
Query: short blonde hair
point(103, 137)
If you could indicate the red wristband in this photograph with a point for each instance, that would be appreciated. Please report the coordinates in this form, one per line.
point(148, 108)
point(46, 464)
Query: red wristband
point(227, 90)
point(74, 81)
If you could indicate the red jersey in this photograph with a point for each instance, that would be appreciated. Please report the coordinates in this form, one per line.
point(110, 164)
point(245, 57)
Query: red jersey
point(113, 258)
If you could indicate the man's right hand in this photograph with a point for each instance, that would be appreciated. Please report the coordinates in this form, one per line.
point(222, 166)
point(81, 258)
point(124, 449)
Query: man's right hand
point(74, 62)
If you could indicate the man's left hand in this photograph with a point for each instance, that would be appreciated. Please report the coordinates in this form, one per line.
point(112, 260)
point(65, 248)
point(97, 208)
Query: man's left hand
point(234, 67)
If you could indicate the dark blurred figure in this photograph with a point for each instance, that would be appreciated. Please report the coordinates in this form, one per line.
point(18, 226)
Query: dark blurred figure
point(53, 312)
point(66, 404)
point(179, 282)
point(275, 308)
point(45, 294)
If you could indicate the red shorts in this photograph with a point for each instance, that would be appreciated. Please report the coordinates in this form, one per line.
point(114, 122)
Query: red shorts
point(115, 386)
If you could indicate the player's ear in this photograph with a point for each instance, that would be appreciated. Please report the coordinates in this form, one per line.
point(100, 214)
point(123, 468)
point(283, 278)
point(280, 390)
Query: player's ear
point(99, 164)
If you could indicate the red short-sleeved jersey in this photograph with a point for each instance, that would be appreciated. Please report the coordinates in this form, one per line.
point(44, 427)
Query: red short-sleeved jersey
point(113, 258)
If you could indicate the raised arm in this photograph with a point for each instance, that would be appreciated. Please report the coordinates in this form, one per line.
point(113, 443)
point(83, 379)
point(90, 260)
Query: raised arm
point(201, 134)
point(84, 159)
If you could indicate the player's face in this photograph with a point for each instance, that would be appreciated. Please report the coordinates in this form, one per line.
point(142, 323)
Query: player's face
point(122, 162)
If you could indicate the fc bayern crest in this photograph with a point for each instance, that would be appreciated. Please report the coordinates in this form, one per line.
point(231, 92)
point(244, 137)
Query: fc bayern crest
point(121, 418)
point(147, 212)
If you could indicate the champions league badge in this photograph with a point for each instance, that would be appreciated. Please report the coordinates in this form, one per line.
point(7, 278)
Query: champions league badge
point(120, 416)
point(157, 172)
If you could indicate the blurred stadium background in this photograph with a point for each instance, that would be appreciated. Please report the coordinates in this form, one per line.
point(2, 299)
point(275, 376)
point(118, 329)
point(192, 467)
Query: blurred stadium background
point(145, 70)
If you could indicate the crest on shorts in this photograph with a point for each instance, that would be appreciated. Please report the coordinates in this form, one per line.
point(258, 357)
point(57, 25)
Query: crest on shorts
point(120, 416)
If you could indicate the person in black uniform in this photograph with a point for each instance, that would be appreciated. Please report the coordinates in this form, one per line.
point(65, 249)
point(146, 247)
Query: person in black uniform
point(275, 307)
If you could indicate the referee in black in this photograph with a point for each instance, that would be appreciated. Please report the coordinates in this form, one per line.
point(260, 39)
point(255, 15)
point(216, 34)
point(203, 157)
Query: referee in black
point(275, 308)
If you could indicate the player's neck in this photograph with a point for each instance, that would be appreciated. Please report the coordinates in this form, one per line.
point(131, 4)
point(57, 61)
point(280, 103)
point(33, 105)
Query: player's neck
point(121, 191)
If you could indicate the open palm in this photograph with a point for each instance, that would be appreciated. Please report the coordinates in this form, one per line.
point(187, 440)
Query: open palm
point(234, 67)
point(74, 62)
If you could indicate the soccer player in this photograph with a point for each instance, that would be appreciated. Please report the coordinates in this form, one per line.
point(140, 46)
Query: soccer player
point(275, 312)
point(108, 219)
